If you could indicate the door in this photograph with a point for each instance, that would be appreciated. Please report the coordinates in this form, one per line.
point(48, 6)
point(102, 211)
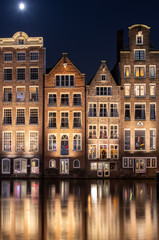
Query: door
point(64, 166)
point(103, 169)
point(106, 170)
point(140, 166)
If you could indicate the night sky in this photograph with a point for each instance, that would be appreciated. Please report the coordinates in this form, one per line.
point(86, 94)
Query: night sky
point(85, 29)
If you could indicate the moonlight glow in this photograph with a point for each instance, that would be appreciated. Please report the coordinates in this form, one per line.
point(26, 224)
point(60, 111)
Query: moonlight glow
point(21, 6)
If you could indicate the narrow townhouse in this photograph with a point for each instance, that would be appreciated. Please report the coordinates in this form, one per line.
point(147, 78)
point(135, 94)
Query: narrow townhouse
point(102, 124)
point(139, 70)
point(21, 105)
point(64, 124)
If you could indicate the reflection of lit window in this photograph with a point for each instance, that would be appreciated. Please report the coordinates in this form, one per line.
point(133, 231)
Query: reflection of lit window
point(20, 165)
point(93, 192)
point(92, 151)
point(52, 163)
point(35, 165)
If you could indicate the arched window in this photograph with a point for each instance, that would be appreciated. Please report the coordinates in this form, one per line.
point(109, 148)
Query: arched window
point(35, 165)
point(5, 165)
point(64, 145)
point(77, 143)
point(52, 142)
point(76, 163)
point(52, 163)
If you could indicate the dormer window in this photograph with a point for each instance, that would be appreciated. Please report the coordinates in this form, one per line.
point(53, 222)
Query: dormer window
point(139, 38)
point(103, 77)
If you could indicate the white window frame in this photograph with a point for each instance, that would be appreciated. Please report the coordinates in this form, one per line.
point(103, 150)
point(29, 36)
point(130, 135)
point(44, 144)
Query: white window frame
point(33, 159)
point(92, 131)
point(103, 91)
point(30, 74)
point(68, 166)
point(68, 120)
point(3, 92)
point(96, 151)
point(52, 93)
point(80, 117)
point(74, 162)
point(29, 116)
point(127, 103)
point(139, 35)
point(136, 66)
point(17, 74)
point(152, 103)
point(67, 134)
point(154, 129)
point(110, 151)
point(3, 74)
point(9, 165)
point(127, 85)
point(94, 169)
point(9, 60)
point(128, 161)
point(142, 129)
point(151, 162)
point(56, 119)
point(3, 140)
point(68, 80)
point(113, 108)
point(37, 60)
point(24, 93)
point(48, 142)
point(104, 76)
point(52, 160)
point(17, 57)
point(152, 84)
point(141, 103)
point(38, 141)
point(24, 142)
point(137, 50)
point(19, 159)
point(101, 144)
point(73, 99)
point(110, 131)
point(127, 66)
point(80, 134)
point(150, 71)
point(140, 84)
point(11, 116)
point(127, 129)
point(106, 129)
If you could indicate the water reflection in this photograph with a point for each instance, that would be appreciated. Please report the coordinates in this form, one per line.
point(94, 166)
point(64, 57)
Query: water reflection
point(46, 210)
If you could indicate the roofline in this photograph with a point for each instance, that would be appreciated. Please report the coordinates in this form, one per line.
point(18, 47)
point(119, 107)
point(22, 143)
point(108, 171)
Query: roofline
point(139, 25)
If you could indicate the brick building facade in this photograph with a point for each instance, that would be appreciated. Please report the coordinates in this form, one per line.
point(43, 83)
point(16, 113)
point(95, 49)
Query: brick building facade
point(21, 105)
point(139, 70)
point(64, 124)
point(102, 124)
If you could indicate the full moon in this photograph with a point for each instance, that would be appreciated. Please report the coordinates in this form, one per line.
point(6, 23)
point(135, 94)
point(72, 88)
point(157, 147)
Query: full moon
point(21, 6)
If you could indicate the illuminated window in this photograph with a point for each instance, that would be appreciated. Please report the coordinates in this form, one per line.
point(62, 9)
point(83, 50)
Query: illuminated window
point(76, 119)
point(152, 71)
point(35, 165)
point(5, 165)
point(33, 116)
point(8, 57)
point(127, 140)
point(103, 132)
point(114, 110)
point(20, 116)
point(34, 56)
point(34, 142)
point(93, 166)
point(128, 162)
point(7, 141)
point(139, 139)
point(103, 77)
point(92, 112)
point(20, 94)
point(152, 111)
point(7, 94)
point(52, 142)
point(76, 163)
point(64, 80)
point(140, 112)
point(92, 151)
point(113, 131)
point(103, 110)
point(127, 90)
point(139, 55)
point(64, 120)
point(126, 71)
point(7, 74)
point(153, 139)
point(52, 163)
point(152, 88)
point(140, 90)
point(21, 74)
point(52, 120)
point(21, 56)
point(20, 141)
point(33, 94)
point(103, 91)
point(77, 142)
point(20, 165)
point(139, 38)
point(114, 151)
point(127, 111)
point(52, 100)
point(92, 132)
point(151, 162)
point(140, 72)
point(34, 73)
point(77, 101)
point(64, 145)
point(103, 152)
point(64, 166)
point(7, 116)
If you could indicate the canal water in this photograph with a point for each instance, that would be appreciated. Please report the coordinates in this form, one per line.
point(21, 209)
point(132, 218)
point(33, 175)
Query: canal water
point(79, 209)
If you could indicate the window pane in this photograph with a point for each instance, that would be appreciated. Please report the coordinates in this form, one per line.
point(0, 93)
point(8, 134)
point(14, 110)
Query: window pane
point(127, 140)
point(139, 139)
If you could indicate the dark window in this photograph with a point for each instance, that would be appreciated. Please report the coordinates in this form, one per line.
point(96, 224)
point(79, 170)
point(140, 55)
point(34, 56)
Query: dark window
point(139, 139)
point(127, 140)
point(64, 100)
point(152, 112)
point(140, 112)
point(127, 111)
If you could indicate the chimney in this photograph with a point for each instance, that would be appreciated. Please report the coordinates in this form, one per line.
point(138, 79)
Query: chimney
point(64, 60)
point(119, 43)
